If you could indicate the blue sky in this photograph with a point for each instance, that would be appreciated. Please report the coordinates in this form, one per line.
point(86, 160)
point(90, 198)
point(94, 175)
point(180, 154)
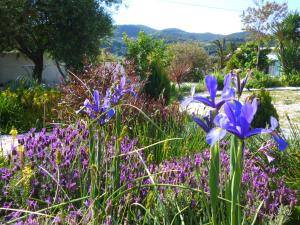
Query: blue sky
point(216, 16)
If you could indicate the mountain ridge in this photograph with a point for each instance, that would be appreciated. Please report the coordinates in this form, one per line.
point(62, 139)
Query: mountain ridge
point(170, 35)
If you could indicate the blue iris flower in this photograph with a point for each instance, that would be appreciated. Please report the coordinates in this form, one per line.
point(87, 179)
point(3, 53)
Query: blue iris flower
point(237, 120)
point(206, 123)
point(104, 112)
point(240, 83)
point(212, 87)
point(96, 109)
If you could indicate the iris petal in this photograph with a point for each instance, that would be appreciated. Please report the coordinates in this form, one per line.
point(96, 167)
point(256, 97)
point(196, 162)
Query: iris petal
point(274, 123)
point(96, 99)
point(201, 123)
point(233, 110)
point(212, 86)
point(122, 82)
point(256, 131)
point(248, 111)
point(204, 100)
point(282, 144)
point(215, 135)
point(228, 93)
point(227, 81)
point(111, 113)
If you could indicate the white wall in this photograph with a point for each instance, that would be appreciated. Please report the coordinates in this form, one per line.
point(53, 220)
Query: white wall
point(14, 64)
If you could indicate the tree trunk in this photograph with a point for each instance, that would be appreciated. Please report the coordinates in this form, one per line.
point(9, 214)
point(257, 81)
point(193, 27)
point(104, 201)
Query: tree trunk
point(38, 67)
point(60, 71)
point(257, 56)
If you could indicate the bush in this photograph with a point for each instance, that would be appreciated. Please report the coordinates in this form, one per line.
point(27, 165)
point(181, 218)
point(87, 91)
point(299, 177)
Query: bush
point(10, 111)
point(246, 58)
point(158, 84)
point(26, 108)
point(292, 80)
point(262, 80)
point(265, 110)
point(150, 60)
point(220, 79)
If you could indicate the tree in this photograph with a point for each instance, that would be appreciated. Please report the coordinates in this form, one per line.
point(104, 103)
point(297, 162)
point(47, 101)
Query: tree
point(221, 48)
point(245, 58)
point(261, 19)
point(68, 30)
point(287, 35)
point(151, 60)
point(187, 59)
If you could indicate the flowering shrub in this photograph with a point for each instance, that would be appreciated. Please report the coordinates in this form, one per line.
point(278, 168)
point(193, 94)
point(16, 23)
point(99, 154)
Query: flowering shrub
point(100, 78)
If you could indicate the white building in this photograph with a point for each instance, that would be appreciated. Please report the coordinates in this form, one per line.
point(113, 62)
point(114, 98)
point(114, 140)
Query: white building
point(14, 64)
point(274, 67)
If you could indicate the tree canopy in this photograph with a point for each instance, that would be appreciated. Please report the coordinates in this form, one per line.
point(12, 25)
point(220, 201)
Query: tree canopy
point(68, 30)
point(151, 59)
point(261, 19)
point(287, 35)
point(187, 59)
point(245, 57)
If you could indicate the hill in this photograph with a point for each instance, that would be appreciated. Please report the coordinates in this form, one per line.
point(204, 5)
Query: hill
point(169, 35)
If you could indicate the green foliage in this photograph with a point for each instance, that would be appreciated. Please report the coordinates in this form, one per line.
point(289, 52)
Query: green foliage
point(220, 79)
point(151, 60)
point(262, 80)
point(10, 111)
point(292, 79)
point(288, 38)
point(26, 108)
point(188, 61)
point(69, 31)
point(246, 58)
point(158, 84)
point(265, 110)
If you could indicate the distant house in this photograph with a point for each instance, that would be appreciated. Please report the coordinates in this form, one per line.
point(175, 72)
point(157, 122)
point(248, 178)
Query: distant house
point(14, 64)
point(274, 67)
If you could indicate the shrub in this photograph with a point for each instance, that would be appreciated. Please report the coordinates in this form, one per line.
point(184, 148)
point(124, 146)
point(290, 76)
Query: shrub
point(26, 108)
point(292, 79)
point(10, 111)
point(265, 110)
point(262, 80)
point(246, 58)
point(150, 60)
point(220, 79)
point(158, 84)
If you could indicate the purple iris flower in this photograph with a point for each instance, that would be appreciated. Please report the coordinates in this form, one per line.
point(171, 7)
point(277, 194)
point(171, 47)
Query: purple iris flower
point(237, 120)
point(206, 122)
point(120, 90)
point(212, 87)
point(104, 112)
point(96, 109)
point(240, 84)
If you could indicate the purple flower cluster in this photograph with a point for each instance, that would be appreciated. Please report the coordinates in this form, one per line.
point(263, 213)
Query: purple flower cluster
point(48, 162)
point(104, 111)
point(258, 183)
point(64, 152)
